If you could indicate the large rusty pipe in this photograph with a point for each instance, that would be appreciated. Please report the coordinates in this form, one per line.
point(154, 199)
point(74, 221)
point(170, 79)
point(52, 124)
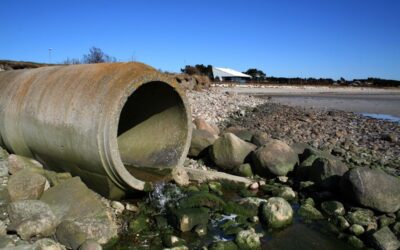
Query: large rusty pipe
point(99, 121)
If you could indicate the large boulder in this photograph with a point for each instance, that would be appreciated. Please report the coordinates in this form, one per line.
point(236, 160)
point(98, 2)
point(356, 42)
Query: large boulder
point(372, 188)
point(26, 185)
point(229, 151)
point(276, 212)
point(384, 239)
point(201, 139)
point(31, 218)
point(72, 201)
point(275, 157)
point(326, 172)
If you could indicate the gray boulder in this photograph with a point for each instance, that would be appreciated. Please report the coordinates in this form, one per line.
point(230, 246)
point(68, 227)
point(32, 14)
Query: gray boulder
point(31, 218)
point(260, 138)
point(326, 172)
point(372, 188)
point(276, 212)
point(72, 201)
point(17, 163)
point(229, 151)
point(384, 239)
point(275, 157)
point(333, 208)
point(201, 139)
point(90, 245)
point(26, 185)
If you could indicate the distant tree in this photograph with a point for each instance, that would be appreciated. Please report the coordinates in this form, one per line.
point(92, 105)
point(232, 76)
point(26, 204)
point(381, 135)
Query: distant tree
point(96, 55)
point(198, 69)
point(72, 61)
point(255, 73)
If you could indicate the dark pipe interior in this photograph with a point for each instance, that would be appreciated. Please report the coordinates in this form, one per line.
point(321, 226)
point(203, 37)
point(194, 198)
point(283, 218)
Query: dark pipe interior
point(152, 129)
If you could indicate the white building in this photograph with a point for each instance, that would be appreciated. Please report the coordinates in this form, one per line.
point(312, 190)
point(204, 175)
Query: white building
point(229, 75)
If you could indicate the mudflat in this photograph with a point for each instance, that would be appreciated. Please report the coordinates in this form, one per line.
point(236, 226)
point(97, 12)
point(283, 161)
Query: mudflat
point(352, 99)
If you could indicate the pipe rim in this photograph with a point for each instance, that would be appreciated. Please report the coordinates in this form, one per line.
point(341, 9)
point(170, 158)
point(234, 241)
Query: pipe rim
point(109, 149)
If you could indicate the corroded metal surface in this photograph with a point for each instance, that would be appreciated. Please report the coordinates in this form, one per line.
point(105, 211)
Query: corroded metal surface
point(96, 121)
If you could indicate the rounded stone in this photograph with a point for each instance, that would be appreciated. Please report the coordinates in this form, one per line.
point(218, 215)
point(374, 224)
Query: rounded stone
point(276, 212)
point(275, 157)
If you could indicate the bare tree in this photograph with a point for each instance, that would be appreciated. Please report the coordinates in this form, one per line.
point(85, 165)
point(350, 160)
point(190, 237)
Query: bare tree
point(96, 55)
point(72, 61)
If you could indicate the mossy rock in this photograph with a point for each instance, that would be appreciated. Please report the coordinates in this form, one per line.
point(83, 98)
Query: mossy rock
point(244, 170)
point(246, 210)
point(309, 212)
point(186, 219)
point(333, 208)
point(363, 217)
point(223, 245)
point(248, 240)
point(139, 224)
point(170, 240)
point(202, 199)
point(215, 187)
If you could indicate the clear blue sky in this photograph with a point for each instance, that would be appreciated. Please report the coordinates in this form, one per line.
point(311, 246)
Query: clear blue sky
point(310, 38)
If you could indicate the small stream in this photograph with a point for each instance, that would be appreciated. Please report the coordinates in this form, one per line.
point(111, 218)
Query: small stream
point(299, 235)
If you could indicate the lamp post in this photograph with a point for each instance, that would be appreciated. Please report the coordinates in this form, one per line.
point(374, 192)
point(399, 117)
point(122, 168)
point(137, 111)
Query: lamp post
point(50, 49)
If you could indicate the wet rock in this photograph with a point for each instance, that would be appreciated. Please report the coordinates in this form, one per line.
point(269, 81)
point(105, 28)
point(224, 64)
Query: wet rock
point(355, 242)
point(170, 240)
point(202, 199)
point(31, 218)
point(276, 212)
point(215, 187)
point(284, 192)
point(275, 157)
point(248, 240)
point(17, 163)
point(326, 173)
point(363, 217)
point(384, 239)
point(341, 222)
point(229, 151)
point(201, 139)
point(356, 229)
point(180, 176)
point(223, 245)
point(201, 230)
point(333, 208)
point(372, 188)
point(90, 245)
point(26, 185)
point(202, 124)
point(139, 224)
point(186, 219)
point(310, 213)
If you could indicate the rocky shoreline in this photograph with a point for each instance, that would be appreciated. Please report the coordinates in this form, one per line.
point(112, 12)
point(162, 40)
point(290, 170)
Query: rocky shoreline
point(256, 170)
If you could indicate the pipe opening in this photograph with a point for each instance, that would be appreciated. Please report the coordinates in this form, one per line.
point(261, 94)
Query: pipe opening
point(152, 130)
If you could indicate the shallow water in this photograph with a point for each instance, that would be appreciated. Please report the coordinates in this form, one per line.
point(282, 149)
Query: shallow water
point(385, 117)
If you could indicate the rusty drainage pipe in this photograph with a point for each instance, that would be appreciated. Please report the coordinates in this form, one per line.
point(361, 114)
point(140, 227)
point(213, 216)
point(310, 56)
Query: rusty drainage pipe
point(102, 122)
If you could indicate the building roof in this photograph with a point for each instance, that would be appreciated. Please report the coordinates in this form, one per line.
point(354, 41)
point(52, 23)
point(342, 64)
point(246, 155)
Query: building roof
point(226, 72)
